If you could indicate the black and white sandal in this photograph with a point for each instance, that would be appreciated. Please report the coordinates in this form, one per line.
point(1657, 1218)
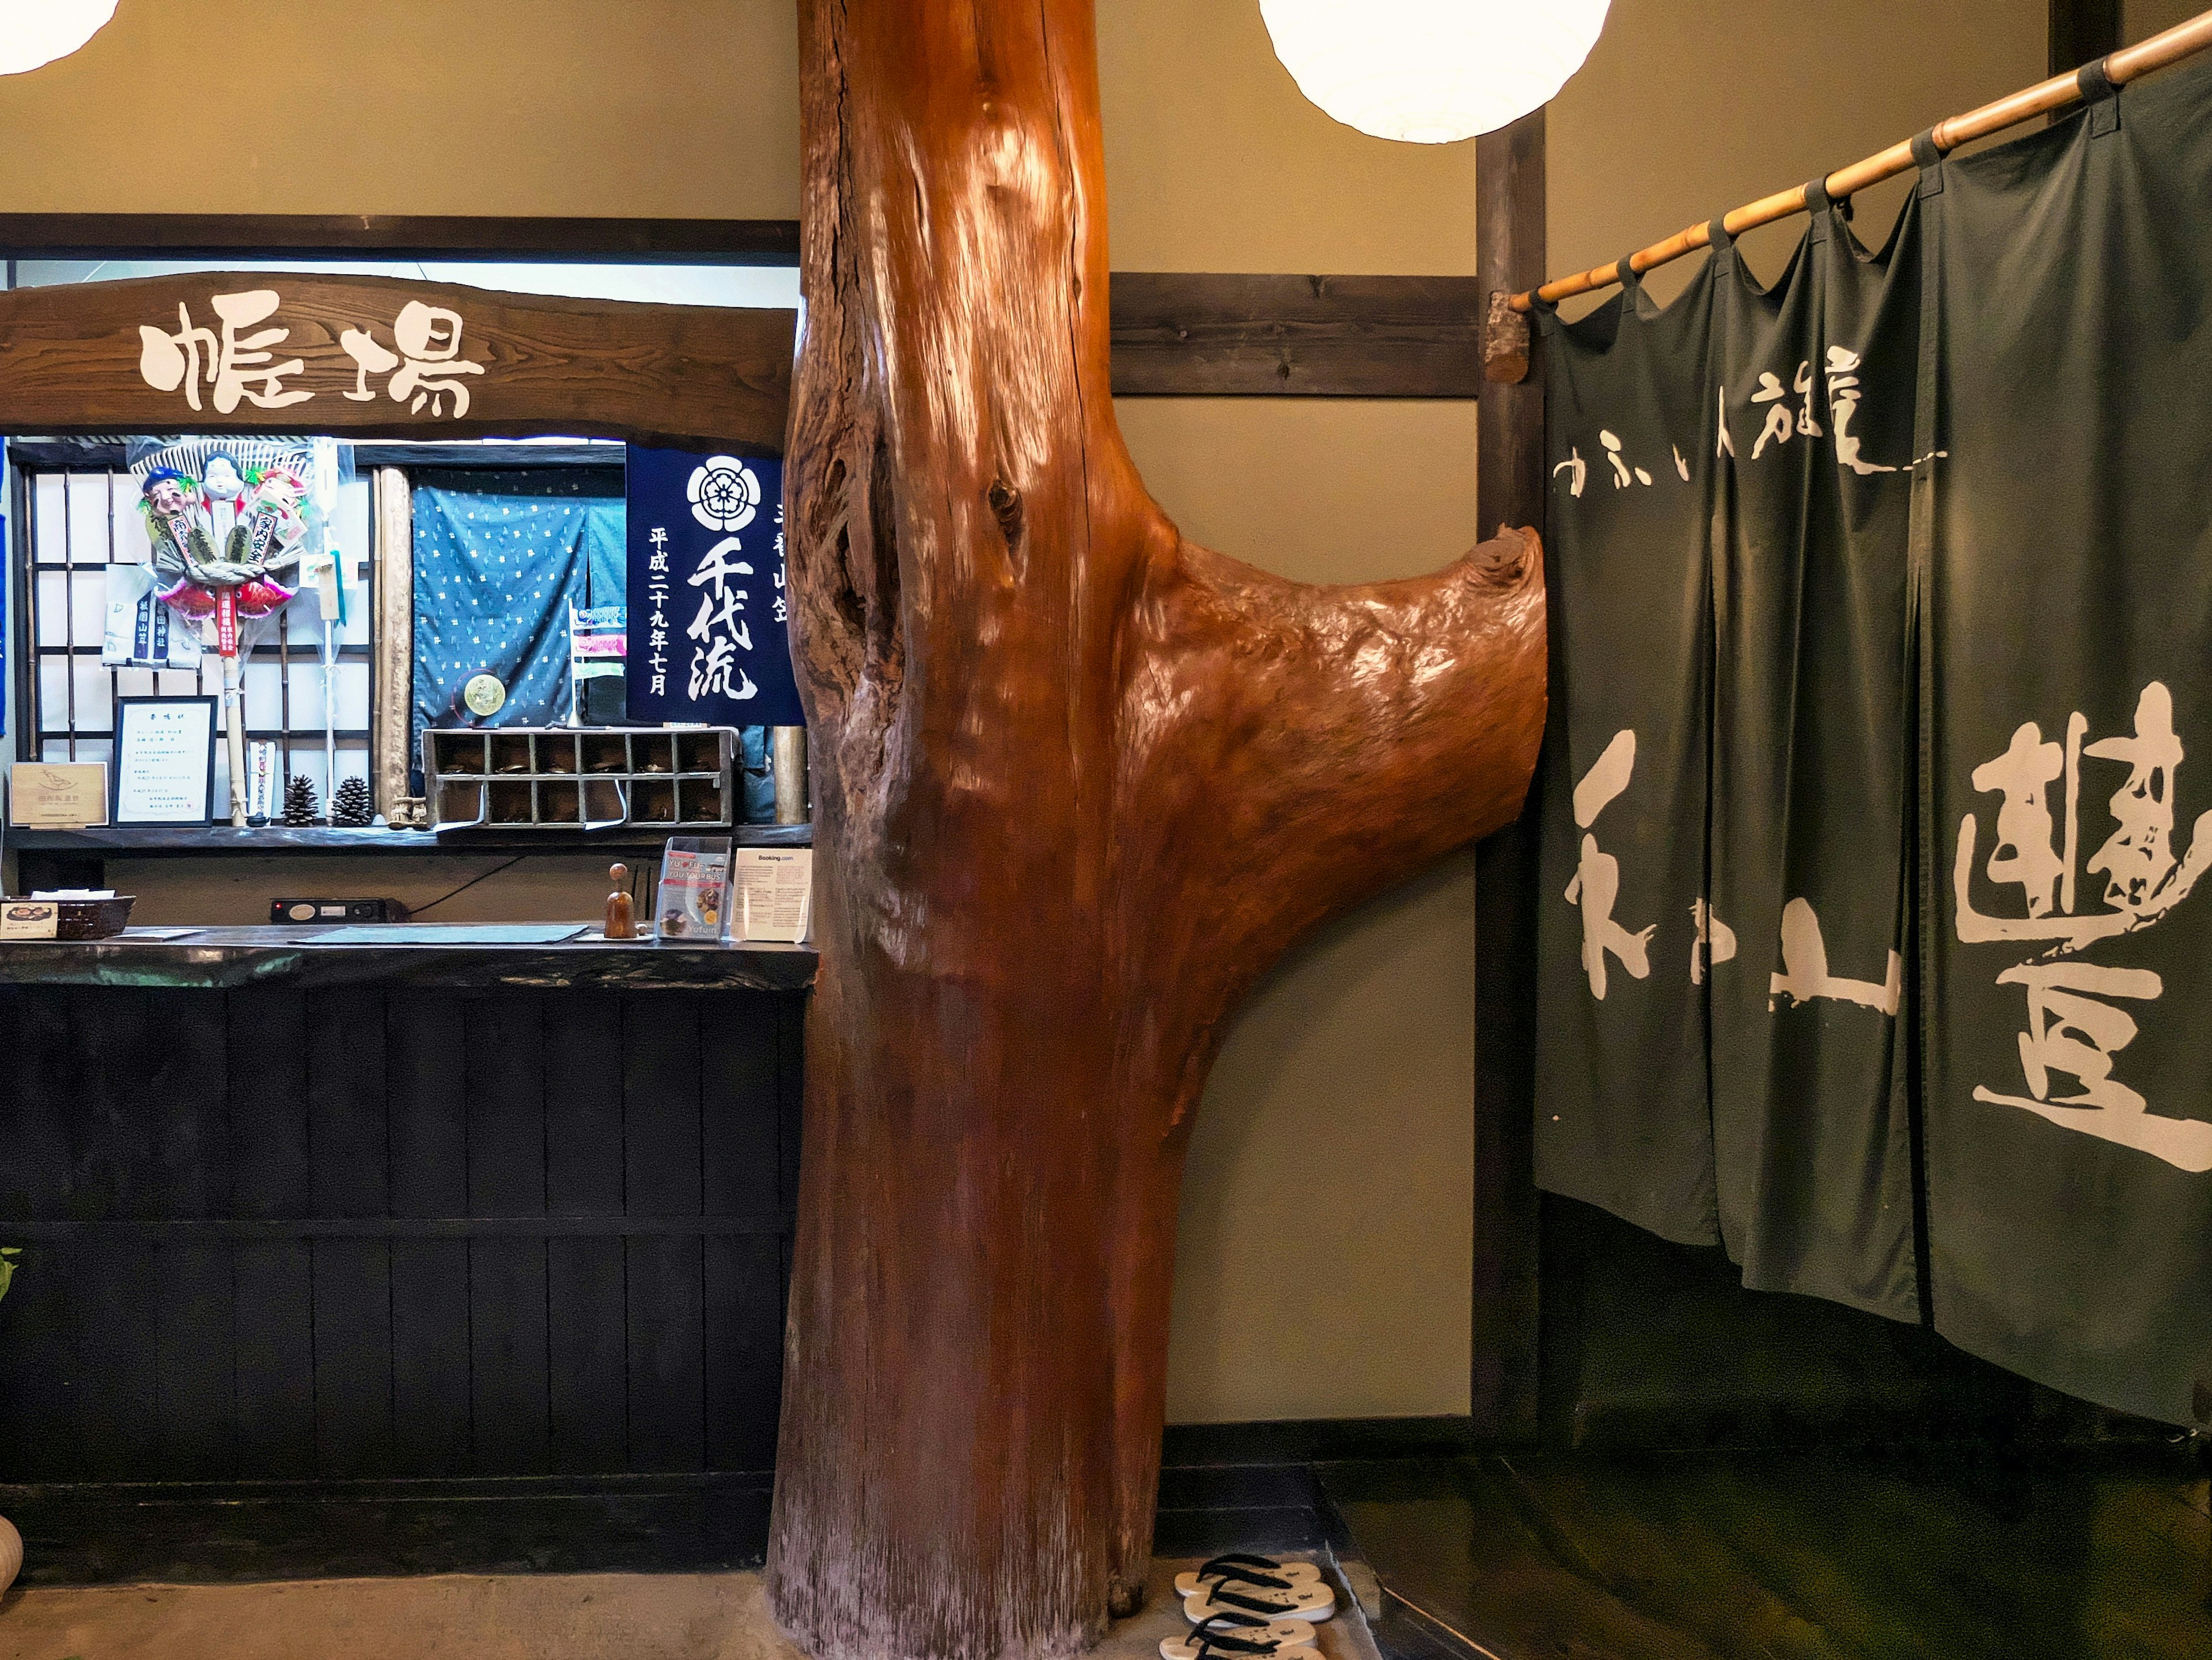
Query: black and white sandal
point(1310, 1599)
point(1243, 1637)
point(1268, 1573)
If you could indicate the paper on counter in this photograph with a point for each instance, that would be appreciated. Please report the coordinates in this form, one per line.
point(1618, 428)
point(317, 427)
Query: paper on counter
point(24, 919)
point(775, 894)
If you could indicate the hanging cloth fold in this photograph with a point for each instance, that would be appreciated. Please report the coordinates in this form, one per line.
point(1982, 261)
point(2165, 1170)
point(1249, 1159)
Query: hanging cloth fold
point(2066, 736)
point(1622, 1119)
point(1810, 537)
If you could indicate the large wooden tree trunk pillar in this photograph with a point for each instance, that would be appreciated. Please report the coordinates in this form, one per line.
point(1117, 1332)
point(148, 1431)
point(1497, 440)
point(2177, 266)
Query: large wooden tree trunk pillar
point(1079, 782)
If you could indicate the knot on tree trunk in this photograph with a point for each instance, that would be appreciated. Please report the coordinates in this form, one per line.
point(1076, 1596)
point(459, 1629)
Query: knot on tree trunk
point(1006, 504)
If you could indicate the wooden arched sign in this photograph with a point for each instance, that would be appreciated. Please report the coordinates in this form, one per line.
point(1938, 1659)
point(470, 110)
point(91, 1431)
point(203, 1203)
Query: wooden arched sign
point(386, 357)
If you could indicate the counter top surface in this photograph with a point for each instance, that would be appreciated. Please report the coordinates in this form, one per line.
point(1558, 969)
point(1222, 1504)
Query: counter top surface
point(227, 958)
point(140, 841)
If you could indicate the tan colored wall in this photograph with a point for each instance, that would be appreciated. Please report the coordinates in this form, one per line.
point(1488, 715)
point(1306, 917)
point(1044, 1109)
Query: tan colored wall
point(681, 108)
point(1689, 107)
point(1326, 1229)
point(2140, 19)
point(1327, 1220)
point(1215, 162)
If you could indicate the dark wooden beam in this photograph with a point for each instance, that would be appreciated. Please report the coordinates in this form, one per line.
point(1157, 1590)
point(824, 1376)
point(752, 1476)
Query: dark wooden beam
point(1182, 335)
point(2082, 30)
point(1510, 491)
point(384, 357)
point(1174, 334)
point(411, 236)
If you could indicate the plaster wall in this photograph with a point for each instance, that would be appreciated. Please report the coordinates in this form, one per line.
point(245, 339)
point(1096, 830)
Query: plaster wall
point(681, 108)
point(2140, 19)
point(1326, 1227)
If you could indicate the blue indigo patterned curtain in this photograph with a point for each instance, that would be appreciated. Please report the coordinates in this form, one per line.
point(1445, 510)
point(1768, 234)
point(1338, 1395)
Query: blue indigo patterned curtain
point(499, 558)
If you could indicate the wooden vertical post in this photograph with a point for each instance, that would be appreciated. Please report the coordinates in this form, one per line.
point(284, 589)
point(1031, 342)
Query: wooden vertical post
point(1078, 783)
point(389, 760)
point(2082, 31)
point(1510, 491)
point(787, 766)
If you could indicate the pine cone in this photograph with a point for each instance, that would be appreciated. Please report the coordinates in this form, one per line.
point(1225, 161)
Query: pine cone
point(352, 806)
point(301, 807)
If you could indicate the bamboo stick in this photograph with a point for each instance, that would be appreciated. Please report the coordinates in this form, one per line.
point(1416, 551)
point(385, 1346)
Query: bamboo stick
point(2129, 63)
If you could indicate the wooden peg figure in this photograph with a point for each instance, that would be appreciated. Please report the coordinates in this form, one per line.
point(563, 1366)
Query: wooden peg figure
point(621, 914)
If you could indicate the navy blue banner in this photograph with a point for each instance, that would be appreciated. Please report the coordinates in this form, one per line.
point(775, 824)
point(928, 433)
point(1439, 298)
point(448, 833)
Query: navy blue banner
point(708, 641)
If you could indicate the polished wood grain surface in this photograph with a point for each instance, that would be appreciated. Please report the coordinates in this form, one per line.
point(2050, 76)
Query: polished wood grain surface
point(1951, 1555)
point(77, 358)
point(1079, 782)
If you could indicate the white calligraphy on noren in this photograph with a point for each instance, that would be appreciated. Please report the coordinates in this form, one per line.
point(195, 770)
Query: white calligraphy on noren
point(2074, 1025)
point(1791, 411)
point(1597, 883)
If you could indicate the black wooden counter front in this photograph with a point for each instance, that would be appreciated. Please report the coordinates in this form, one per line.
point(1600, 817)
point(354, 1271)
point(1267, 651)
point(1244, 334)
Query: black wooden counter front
point(343, 1214)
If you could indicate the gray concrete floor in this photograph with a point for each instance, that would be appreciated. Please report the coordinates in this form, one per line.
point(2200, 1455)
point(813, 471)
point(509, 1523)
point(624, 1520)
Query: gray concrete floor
point(599, 1616)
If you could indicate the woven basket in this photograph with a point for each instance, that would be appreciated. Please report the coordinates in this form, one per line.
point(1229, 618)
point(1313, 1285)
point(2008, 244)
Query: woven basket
point(93, 919)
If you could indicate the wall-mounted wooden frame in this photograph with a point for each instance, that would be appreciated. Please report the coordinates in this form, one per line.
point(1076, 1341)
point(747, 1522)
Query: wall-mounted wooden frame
point(1208, 334)
point(392, 502)
point(1505, 1365)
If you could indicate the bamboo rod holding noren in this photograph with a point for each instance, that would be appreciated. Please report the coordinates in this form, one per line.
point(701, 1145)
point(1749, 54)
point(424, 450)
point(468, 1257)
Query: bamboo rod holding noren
point(2129, 63)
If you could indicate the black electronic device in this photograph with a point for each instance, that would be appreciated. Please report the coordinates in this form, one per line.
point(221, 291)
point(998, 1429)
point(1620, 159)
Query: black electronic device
point(282, 911)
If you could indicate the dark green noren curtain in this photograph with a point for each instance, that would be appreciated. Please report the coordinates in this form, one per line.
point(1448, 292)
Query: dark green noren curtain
point(1721, 941)
point(1882, 601)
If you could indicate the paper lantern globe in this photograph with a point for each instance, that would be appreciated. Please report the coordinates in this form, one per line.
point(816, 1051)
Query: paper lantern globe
point(36, 32)
point(1431, 71)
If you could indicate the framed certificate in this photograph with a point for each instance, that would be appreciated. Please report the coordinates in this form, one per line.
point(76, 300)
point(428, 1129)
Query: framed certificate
point(164, 771)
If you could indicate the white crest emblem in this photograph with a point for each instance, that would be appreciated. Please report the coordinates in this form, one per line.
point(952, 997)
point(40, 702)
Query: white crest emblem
point(725, 494)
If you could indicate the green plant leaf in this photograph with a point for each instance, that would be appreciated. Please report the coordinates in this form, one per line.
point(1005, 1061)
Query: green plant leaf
point(8, 1255)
